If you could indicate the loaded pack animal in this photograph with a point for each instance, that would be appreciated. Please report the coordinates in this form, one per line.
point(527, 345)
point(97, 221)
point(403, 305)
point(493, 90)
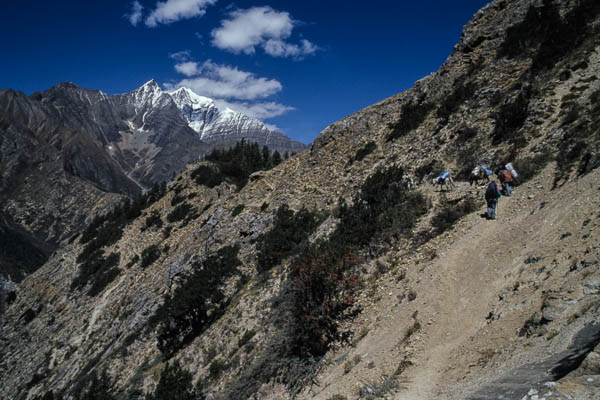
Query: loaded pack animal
point(444, 180)
point(479, 174)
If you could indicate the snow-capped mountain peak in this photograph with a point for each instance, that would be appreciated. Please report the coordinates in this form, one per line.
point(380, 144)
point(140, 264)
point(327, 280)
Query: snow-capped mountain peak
point(149, 94)
point(224, 125)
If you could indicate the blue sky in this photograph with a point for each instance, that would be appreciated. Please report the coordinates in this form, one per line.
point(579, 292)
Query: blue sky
point(297, 65)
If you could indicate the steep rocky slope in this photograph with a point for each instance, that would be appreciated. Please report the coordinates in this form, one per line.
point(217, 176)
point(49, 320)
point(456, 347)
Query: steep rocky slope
point(80, 147)
point(449, 308)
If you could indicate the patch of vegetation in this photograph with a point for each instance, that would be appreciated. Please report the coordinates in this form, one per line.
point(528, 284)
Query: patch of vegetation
point(176, 383)
point(149, 255)
point(104, 231)
point(290, 229)
point(528, 167)
point(207, 176)
point(532, 260)
point(412, 116)
point(451, 212)
point(180, 212)
point(216, 368)
point(198, 302)
point(177, 199)
point(98, 269)
point(509, 120)
point(246, 337)
point(99, 388)
point(319, 293)
point(152, 220)
point(238, 210)
point(364, 151)
point(236, 164)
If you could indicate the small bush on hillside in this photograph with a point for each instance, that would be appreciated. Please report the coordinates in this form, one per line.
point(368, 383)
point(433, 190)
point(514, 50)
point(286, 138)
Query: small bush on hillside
point(179, 213)
point(99, 270)
point(238, 209)
point(152, 220)
point(364, 151)
point(246, 337)
point(207, 176)
point(528, 167)
point(149, 255)
point(412, 116)
point(289, 231)
point(216, 368)
point(509, 120)
point(175, 383)
point(450, 213)
point(99, 388)
point(195, 304)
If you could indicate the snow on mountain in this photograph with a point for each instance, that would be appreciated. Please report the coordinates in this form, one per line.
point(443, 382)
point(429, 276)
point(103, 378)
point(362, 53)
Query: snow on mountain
point(226, 126)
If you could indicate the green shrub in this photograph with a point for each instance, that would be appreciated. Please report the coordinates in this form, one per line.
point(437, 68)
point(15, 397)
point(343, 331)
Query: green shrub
point(412, 116)
point(289, 231)
point(216, 368)
point(364, 151)
point(382, 209)
point(153, 219)
point(196, 303)
point(99, 388)
point(207, 176)
point(99, 270)
point(175, 383)
point(246, 337)
point(528, 167)
point(238, 209)
point(179, 213)
point(452, 212)
point(509, 120)
point(235, 164)
point(149, 255)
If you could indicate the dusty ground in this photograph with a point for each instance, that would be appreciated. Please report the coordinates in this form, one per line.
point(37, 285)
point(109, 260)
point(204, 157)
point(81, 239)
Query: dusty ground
point(474, 292)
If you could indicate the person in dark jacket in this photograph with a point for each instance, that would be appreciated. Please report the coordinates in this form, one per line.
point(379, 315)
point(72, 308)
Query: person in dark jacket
point(491, 197)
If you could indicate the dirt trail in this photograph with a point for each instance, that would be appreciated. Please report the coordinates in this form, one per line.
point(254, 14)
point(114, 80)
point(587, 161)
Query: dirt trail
point(469, 274)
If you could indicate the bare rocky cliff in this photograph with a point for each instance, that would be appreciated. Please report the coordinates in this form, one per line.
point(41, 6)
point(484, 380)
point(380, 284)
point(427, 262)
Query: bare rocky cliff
point(425, 298)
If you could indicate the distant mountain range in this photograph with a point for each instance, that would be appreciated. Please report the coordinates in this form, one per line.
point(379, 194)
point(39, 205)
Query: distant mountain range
point(66, 151)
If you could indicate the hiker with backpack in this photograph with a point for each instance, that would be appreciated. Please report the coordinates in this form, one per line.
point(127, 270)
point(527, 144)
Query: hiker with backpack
point(491, 197)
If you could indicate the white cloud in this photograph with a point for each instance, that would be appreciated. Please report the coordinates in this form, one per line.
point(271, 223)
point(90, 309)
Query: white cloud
point(278, 48)
point(224, 82)
point(230, 87)
point(136, 13)
point(259, 110)
point(175, 10)
point(181, 56)
point(188, 68)
point(260, 27)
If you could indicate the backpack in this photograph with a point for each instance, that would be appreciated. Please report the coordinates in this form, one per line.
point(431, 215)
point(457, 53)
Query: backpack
point(492, 191)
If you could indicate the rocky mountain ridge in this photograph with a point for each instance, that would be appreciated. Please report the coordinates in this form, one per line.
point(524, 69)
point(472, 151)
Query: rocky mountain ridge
point(107, 144)
point(450, 307)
